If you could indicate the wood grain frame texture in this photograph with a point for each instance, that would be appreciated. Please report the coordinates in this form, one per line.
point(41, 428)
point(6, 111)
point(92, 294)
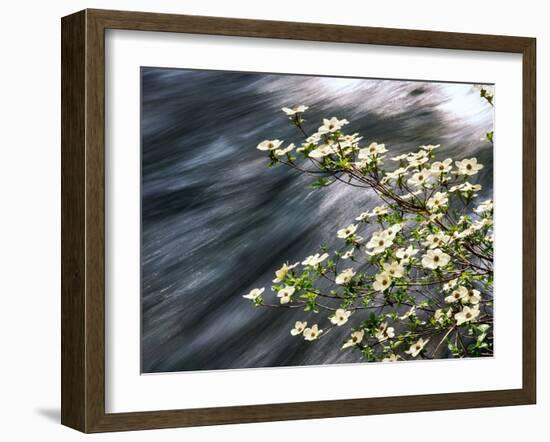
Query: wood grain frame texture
point(83, 219)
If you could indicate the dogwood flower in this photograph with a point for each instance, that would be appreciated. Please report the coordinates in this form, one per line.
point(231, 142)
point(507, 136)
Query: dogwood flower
point(468, 167)
point(391, 358)
point(468, 187)
point(467, 314)
point(417, 347)
point(439, 167)
point(457, 294)
point(299, 327)
point(363, 216)
point(322, 151)
point(434, 240)
point(345, 276)
point(485, 206)
point(411, 195)
point(352, 139)
point(437, 201)
point(254, 294)
point(465, 188)
point(430, 147)
point(381, 281)
point(314, 260)
point(433, 218)
point(450, 284)
point(396, 174)
point(468, 231)
point(295, 110)
point(269, 145)
point(465, 233)
point(383, 332)
point(406, 254)
point(394, 229)
point(418, 154)
point(356, 338)
point(377, 211)
point(379, 242)
point(418, 179)
point(371, 151)
point(472, 296)
point(380, 210)
point(285, 294)
point(435, 258)
point(481, 223)
point(310, 334)
point(340, 317)
point(282, 272)
point(280, 152)
point(347, 232)
point(417, 159)
point(332, 125)
point(314, 138)
point(344, 146)
point(394, 269)
point(400, 157)
point(408, 313)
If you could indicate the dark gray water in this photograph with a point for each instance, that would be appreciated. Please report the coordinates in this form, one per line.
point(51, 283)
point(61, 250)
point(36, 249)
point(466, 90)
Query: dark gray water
point(216, 222)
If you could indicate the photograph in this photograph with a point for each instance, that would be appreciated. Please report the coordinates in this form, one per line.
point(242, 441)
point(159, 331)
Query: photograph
point(303, 220)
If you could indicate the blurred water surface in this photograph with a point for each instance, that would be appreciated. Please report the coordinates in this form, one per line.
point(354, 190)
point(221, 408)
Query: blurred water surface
point(216, 222)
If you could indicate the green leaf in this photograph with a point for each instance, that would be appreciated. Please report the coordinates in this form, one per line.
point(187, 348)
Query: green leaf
point(321, 182)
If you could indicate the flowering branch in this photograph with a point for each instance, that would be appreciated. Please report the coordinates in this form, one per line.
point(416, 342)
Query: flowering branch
point(424, 275)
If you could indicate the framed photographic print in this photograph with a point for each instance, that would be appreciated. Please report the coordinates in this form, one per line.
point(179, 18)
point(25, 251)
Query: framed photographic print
point(270, 220)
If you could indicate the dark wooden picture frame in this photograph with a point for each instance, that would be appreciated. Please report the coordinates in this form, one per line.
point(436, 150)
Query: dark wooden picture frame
point(83, 220)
